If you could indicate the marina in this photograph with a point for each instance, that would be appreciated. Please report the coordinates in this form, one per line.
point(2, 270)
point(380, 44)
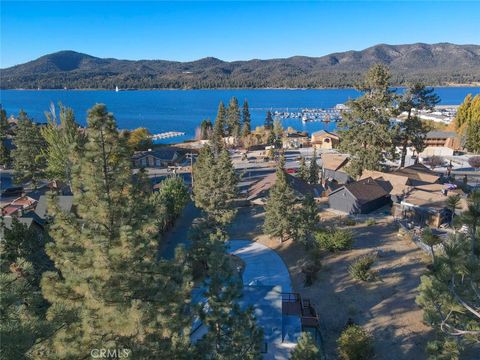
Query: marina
point(167, 135)
point(311, 114)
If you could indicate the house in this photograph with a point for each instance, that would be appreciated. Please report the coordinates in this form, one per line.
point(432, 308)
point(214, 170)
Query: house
point(441, 143)
point(359, 197)
point(64, 203)
point(162, 157)
point(333, 168)
point(396, 185)
point(258, 191)
point(417, 174)
point(427, 204)
point(295, 140)
point(324, 139)
point(18, 206)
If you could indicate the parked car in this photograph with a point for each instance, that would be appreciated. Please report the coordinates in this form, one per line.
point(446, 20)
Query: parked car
point(12, 191)
point(292, 171)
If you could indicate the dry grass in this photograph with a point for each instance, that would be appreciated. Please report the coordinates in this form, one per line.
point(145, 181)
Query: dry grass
point(385, 307)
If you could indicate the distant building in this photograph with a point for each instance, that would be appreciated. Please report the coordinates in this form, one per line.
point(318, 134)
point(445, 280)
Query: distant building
point(359, 197)
point(155, 159)
point(325, 140)
point(295, 140)
point(441, 143)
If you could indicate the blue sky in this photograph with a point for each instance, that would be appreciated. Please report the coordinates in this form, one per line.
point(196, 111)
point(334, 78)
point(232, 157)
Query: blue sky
point(227, 30)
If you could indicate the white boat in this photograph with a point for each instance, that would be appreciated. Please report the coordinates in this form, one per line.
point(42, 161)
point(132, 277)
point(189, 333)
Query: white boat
point(116, 88)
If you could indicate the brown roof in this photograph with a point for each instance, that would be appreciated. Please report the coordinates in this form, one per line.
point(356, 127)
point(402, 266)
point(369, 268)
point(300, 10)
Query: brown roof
point(429, 199)
point(261, 187)
point(334, 161)
point(397, 184)
point(365, 190)
point(419, 173)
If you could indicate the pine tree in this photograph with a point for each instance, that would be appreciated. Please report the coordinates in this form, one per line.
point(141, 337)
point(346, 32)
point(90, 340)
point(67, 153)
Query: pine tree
point(109, 288)
point(307, 222)
point(246, 129)
point(366, 132)
point(313, 171)
point(215, 185)
point(219, 129)
point(306, 348)
point(29, 163)
point(413, 131)
point(279, 209)
point(5, 158)
point(471, 217)
point(268, 121)
point(467, 122)
point(206, 129)
point(303, 172)
point(139, 139)
point(64, 143)
point(233, 118)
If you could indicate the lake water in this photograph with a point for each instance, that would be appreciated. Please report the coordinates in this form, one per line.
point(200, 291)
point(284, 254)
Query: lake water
point(182, 110)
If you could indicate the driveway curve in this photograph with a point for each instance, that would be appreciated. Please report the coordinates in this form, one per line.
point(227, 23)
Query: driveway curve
point(263, 266)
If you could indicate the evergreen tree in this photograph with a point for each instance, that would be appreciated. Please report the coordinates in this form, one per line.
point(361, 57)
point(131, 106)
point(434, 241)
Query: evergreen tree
point(232, 332)
point(109, 288)
point(413, 131)
point(279, 209)
point(430, 239)
point(246, 129)
point(306, 348)
point(29, 163)
point(233, 118)
point(471, 217)
point(215, 185)
point(314, 169)
point(64, 142)
point(449, 297)
point(366, 131)
point(206, 129)
point(467, 122)
point(268, 121)
point(5, 158)
point(307, 222)
point(219, 129)
point(303, 172)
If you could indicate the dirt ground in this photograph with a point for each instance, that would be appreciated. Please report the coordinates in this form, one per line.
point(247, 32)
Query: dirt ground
point(385, 307)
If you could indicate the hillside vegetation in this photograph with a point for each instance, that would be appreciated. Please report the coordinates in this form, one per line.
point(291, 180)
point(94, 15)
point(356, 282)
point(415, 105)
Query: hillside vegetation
point(437, 64)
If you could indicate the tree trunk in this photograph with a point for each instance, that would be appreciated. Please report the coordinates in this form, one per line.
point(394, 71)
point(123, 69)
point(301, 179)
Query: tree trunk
point(433, 255)
point(404, 154)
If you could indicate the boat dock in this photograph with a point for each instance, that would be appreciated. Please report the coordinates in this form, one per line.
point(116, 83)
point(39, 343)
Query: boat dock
point(311, 115)
point(167, 135)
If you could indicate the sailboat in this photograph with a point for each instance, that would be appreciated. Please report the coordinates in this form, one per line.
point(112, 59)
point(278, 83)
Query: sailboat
point(116, 88)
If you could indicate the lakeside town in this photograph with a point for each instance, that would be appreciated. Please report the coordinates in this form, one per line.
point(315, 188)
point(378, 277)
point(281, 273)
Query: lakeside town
point(272, 243)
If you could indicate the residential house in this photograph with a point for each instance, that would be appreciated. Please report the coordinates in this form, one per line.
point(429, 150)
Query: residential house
point(333, 169)
point(162, 157)
point(441, 143)
point(417, 174)
point(359, 197)
point(295, 140)
point(324, 139)
point(396, 185)
point(258, 191)
point(427, 204)
point(18, 206)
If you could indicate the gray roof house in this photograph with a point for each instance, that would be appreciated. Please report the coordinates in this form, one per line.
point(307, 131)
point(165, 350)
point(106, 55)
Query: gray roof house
point(359, 197)
point(162, 157)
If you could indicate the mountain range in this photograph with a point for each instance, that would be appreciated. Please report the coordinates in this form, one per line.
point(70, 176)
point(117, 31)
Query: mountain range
point(432, 64)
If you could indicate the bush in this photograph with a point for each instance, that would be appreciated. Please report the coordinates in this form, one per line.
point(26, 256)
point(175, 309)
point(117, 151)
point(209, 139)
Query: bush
point(361, 268)
point(355, 344)
point(349, 222)
point(370, 222)
point(334, 240)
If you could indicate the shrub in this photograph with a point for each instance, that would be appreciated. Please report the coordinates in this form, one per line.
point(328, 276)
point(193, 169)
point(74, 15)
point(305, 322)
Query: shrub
point(349, 222)
point(334, 240)
point(361, 268)
point(355, 344)
point(370, 222)
point(474, 162)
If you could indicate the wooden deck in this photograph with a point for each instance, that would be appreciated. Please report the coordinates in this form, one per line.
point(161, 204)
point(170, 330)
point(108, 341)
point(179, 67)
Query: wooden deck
point(292, 304)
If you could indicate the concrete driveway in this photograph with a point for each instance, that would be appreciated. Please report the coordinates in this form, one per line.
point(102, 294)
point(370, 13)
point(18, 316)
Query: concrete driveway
point(262, 264)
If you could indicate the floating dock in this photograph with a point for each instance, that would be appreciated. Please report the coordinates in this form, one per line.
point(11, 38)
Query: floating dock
point(167, 135)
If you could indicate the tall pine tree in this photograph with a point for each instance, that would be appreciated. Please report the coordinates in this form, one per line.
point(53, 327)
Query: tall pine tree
point(279, 208)
point(366, 131)
point(314, 169)
point(5, 158)
point(28, 161)
point(233, 118)
point(218, 132)
point(109, 288)
point(247, 127)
